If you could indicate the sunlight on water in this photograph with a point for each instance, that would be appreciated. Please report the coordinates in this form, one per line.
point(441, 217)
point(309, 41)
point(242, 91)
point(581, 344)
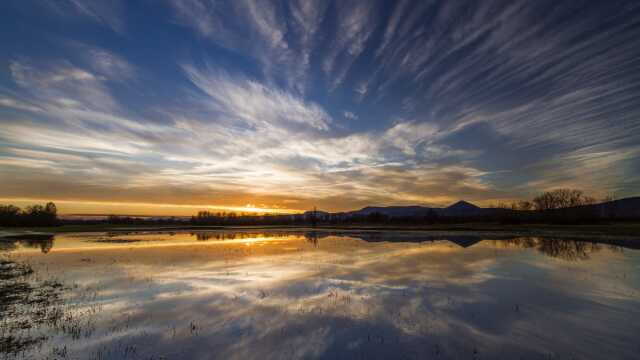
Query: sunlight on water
point(291, 294)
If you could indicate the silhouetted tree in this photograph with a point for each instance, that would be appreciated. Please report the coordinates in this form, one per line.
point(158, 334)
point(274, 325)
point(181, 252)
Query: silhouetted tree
point(561, 199)
point(51, 213)
point(566, 205)
point(34, 215)
point(9, 215)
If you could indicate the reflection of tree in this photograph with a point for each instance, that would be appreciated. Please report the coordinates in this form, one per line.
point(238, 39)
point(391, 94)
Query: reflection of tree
point(221, 236)
point(312, 237)
point(570, 250)
point(202, 236)
point(7, 245)
point(44, 242)
point(567, 249)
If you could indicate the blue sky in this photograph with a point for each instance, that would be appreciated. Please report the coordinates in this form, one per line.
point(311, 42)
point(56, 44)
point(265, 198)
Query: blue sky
point(178, 105)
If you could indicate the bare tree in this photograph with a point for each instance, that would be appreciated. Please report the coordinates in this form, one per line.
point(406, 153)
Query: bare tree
point(561, 199)
point(544, 201)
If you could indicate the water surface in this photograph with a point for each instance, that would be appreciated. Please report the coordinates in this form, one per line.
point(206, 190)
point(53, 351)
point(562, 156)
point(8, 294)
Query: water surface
point(306, 295)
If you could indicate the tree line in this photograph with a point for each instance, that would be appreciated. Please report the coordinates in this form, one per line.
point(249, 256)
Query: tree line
point(34, 215)
point(556, 206)
point(554, 200)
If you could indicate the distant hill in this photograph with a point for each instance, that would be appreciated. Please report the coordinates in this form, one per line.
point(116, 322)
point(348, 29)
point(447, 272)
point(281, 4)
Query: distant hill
point(317, 213)
point(628, 208)
point(392, 211)
point(622, 209)
point(461, 208)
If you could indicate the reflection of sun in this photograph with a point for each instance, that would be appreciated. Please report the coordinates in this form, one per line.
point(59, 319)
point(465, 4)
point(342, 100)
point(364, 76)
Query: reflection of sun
point(250, 207)
point(251, 241)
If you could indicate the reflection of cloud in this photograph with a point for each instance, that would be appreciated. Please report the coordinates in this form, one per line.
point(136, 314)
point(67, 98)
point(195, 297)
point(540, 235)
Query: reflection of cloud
point(288, 298)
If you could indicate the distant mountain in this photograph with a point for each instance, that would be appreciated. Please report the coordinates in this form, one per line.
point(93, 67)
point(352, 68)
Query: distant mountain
point(623, 208)
point(629, 207)
point(392, 211)
point(462, 208)
point(317, 212)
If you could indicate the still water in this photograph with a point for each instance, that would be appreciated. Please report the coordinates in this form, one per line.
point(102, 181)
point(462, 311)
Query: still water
point(307, 295)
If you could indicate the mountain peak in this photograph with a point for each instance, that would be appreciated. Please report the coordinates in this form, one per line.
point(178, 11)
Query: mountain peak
point(463, 205)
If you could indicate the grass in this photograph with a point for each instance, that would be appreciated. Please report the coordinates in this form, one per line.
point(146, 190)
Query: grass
point(37, 307)
point(24, 306)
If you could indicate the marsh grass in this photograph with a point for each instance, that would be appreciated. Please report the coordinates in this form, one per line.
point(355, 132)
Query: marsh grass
point(35, 307)
point(24, 306)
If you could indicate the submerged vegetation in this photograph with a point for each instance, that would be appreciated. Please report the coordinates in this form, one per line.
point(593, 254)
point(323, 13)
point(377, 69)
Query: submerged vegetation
point(26, 304)
point(36, 307)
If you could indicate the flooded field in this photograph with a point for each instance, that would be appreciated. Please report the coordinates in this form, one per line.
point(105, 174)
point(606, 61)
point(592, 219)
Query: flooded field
point(306, 295)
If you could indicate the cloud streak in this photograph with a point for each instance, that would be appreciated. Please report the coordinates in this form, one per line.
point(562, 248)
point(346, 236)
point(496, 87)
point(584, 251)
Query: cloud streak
point(339, 104)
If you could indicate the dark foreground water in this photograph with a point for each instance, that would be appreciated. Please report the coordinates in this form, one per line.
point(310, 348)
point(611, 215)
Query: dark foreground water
point(282, 295)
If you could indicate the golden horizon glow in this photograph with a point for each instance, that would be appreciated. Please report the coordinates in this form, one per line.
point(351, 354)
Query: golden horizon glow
point(84, 207)
point(124, 208)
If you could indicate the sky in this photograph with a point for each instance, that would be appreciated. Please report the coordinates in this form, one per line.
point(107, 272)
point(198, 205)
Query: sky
point(171, 106)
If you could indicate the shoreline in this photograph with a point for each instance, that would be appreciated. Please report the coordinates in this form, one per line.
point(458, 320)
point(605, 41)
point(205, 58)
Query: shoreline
point(620, 229)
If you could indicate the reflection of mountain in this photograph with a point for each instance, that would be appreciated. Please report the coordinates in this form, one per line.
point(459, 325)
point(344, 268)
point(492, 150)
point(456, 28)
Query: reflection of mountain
point(391, 236)
point(465, 241)
point(566, 247)
point(563, 248)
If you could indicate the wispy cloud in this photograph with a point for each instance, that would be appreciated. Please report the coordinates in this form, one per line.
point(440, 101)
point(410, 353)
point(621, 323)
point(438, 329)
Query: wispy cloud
point(349, 115)
point(355, 22)
point(106, 13)
point(254, 103)
point(343, 102)
point(244, 137)
point(256, 28)
point(284, 45)
point(109, 65)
